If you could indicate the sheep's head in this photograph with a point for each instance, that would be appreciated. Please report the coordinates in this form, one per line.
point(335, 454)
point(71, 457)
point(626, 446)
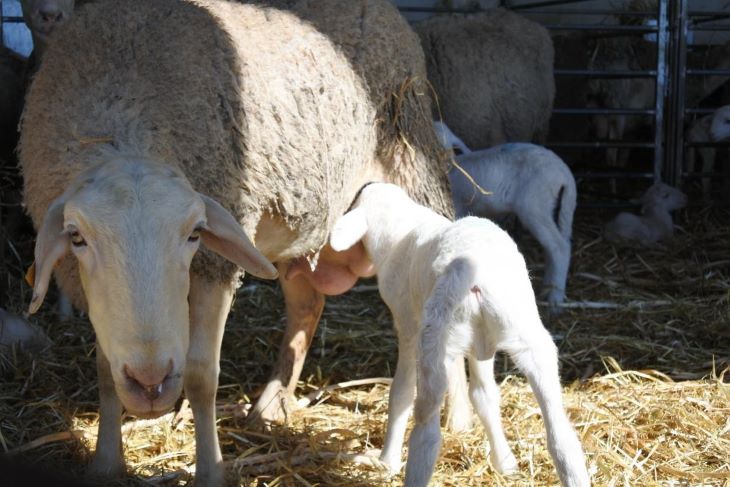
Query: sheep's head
point(44, 16)
point(720, 124)
point(664, 196)
point(134, 227)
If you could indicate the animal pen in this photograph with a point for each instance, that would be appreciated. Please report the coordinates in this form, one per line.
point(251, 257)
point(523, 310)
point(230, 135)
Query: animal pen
point(644, 338)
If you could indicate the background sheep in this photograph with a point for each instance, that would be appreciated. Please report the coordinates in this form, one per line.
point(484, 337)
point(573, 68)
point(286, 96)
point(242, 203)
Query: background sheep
point(654, 224)
point(288, 135)
point(710, 128)
point(530, 182)
point(449, 297)
point(493, 75)
point(15, 330)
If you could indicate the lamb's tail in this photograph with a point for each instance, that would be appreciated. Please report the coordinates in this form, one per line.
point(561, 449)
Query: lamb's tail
point(565, 206)
point(438, 337)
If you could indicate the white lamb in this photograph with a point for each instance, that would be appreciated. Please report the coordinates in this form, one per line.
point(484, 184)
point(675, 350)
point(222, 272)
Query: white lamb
point(455, 288)
point(528, 181)
point(655, 222)
point(714, 127)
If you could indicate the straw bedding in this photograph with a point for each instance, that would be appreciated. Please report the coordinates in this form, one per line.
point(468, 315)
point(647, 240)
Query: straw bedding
point(644, 368)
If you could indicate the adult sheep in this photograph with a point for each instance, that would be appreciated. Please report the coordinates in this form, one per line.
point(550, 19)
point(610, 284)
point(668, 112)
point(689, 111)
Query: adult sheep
point(223, 117)
point(493, 75)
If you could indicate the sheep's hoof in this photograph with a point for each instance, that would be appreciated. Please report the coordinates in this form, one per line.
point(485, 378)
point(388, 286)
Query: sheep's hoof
point(273, 406)
point(104, 468)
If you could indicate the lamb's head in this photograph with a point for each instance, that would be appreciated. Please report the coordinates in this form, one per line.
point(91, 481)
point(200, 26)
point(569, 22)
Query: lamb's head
point(720, 125)
point(448, 139)
point(134, 227)
point(379, 217)
point(44, 16)
point(663, 196)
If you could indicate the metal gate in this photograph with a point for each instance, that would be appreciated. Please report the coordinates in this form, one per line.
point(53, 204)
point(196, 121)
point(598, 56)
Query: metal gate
point(670, 23)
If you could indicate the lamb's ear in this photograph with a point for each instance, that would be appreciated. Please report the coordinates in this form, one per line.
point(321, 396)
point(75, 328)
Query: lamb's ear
point(224, 236)
point(349, 230)
point(51, 244)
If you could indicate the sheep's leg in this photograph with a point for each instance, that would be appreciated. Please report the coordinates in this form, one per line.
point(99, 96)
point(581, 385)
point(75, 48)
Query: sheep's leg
point(108, 459)
point(536, 356)
point(209, 306)
point(400, 400)
point(484, 393)
point(65, 308)
point(557, 254)
point(304, 307)
point(458, 412)
point(708, 164)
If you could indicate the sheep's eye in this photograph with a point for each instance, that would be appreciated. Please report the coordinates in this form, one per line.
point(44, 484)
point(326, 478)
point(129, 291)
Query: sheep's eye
point(195, 236)
point(76, 239)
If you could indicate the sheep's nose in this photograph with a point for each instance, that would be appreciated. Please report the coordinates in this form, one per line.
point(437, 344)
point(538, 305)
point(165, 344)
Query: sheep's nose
point(148, 381)
point(50, 15)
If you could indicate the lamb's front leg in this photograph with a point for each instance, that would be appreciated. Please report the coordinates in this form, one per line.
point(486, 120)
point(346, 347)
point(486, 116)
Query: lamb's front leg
point(108, 459)
point(400, 401)
point(209, 306)
point(304, 306)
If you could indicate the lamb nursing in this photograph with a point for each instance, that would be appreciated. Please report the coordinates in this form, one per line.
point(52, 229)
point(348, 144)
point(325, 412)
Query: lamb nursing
point(451, 298)
point(151, 167)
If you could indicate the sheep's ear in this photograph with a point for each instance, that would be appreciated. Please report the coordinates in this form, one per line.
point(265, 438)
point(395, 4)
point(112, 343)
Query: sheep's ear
point(224, 236)
point(349, 230)
point(51, 244)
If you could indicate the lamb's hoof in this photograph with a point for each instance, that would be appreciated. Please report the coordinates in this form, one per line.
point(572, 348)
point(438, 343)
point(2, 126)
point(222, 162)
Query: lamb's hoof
point(390, 466)
point(505, 464)
point(272, 407)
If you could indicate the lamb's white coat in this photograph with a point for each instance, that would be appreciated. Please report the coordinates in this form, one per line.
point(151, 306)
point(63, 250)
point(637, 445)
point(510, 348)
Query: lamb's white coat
point(528, 181)
point(655, 222)
point(455, 288)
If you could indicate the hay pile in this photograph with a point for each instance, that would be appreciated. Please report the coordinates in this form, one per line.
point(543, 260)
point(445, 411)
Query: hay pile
point(644, 362)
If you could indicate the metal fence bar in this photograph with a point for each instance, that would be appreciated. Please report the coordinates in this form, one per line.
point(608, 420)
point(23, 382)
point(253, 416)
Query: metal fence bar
point(607, 74)
point(547, 3)
point(633, 29)
point(593, 11)
point(707, 72)
point(602, 143)
point(661, 89)
point(675, 159)
point(604, 111)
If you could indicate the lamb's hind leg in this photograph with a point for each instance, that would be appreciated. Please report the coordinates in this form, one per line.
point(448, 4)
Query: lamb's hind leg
point(304, 307)
point(556, 250)
point(484, 393)
point(536, 356)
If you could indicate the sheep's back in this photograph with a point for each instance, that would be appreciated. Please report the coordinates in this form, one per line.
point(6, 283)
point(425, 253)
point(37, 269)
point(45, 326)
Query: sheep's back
point(261, 111)
point(493, 74)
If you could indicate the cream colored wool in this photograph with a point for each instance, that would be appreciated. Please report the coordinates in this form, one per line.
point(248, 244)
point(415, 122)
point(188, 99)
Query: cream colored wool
point(259, 109)
point(493, 74)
